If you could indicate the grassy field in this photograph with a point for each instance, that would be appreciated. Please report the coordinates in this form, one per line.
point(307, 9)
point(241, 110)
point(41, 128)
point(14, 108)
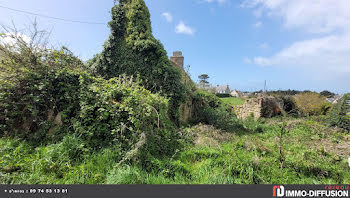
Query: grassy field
point(254, 158)
point(233, 101)
point(311, 154)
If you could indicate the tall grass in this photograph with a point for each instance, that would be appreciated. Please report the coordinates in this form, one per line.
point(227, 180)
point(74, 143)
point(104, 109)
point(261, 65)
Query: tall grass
point(248, 158)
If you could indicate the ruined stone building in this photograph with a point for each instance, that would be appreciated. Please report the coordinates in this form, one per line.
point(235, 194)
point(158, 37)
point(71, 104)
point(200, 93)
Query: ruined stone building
point(178, 60)
point(259, 107)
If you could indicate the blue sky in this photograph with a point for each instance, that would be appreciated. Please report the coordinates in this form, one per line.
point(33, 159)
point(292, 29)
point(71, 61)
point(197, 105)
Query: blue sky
point(299, 44)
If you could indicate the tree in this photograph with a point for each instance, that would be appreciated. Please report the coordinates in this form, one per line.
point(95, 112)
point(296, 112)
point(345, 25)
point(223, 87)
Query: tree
point(311, 103)
point(327, 94)
point(203, 80)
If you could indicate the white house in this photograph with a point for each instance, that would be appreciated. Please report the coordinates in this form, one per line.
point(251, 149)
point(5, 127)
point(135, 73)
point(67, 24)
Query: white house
point(236, 93)
point(222, 89)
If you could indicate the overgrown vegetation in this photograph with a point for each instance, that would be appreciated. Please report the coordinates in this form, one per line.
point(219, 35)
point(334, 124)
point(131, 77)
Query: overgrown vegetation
point(132, 50)
point(49, 96)
point(212, 157)
point(209, 109)
point(311, 103)
point(339, 115)
point(117, 120)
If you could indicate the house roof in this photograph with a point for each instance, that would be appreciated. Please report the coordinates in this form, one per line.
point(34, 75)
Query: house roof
point(236, 91)
point(221, 88)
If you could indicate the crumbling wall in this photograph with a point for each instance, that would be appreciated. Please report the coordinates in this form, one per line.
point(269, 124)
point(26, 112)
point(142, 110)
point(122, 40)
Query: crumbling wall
point(186, 111)
point(178, 60)
point(250, 107)
point(259, 107)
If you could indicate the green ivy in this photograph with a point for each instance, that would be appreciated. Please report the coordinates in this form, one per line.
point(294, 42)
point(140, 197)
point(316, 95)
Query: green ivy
point(132, 50)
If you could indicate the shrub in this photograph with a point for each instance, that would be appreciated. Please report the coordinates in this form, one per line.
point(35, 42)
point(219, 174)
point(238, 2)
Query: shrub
point(220, 95)
point(338, 115)
point(102, 112)
point(119, 111)
point(327, 93)
point(208, 109)
point(253, 125)
point(289, 105)
point(45, 102)
point(32, 89)
point(311, 103)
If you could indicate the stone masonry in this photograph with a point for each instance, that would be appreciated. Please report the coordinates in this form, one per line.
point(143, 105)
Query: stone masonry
point(259, 107)
point(250, 107)
point(178, 60)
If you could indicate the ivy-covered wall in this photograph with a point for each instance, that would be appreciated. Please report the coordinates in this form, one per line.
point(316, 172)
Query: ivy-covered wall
point(131, 49)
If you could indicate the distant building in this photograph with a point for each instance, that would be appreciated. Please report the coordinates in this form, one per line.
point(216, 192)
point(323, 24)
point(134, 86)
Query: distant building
point(246, 94)
point(334, 99)
point(259, 94)
point(224, 89)
point(236, 93)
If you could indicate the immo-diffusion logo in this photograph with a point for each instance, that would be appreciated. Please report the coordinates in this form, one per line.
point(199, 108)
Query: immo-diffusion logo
point(278, 191)
point(328, 191)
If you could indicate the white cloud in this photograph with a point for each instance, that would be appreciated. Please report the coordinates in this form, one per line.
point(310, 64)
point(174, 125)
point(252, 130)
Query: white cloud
point(181, 28)
point(326, 23)
point(314, 16)
point(11, 39)
point(168, 17)
point(329, 53)
point(258, 24)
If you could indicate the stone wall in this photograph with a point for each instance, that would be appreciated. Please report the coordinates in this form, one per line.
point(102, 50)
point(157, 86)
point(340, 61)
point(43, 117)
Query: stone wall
point(251, 106)
point(259, 107)
point(178, 60)
point(186, 111)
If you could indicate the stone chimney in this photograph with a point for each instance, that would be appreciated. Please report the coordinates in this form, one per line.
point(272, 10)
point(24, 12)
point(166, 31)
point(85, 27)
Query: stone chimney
point(177, 59)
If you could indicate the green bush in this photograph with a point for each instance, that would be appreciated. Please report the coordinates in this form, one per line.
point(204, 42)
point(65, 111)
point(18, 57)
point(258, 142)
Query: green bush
point(44, 103)
point(119, 111)
point(31, 90)
point(209, 109)
point(102, 112)
point(338, 116)
point(289, 105)
point(253, 125)
point(220, 95)
point(311, 103)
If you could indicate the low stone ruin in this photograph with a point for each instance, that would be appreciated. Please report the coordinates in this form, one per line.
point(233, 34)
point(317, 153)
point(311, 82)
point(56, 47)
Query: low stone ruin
point(259, 107)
